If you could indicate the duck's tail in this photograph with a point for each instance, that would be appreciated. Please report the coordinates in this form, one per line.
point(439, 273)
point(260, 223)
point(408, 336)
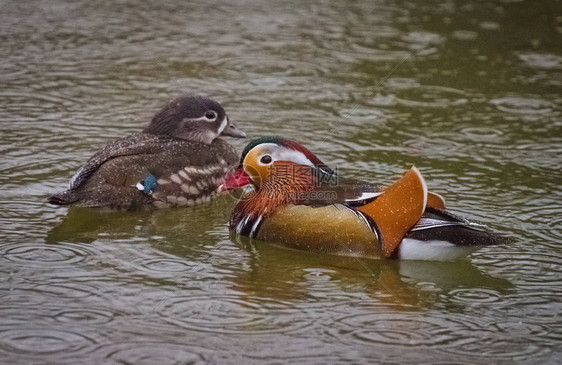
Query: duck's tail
point(398, 209)
point(406, 215)
point(440, 235)
point(66, 197)
point(444, 226)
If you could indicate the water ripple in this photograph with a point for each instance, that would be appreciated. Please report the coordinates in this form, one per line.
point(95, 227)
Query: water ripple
point(472, 296)
point(478, 134)
point(431, 97)
point(405, 330)
point(70, 289)
point(543, 220)
point(521, 105)
point(159, 265)
point(464, 35)
point(272, 66)
point(148, 352)
point(17, 312)
point(454, 334)
point(501, 342)
point(544, 61)
point(231, 314)
point(36, 342)
point(46, 256)
point(85, 316)
point(419, 41)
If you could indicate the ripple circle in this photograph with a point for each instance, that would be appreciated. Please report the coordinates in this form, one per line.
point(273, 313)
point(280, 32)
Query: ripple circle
point(399, 330)
point(40, 341)
point(519, 105)
point(481, 133)
point(47, 256)
point(475, 296)
point(164, 265)
point(85, 316)
point(229, 314)
point(140, 352)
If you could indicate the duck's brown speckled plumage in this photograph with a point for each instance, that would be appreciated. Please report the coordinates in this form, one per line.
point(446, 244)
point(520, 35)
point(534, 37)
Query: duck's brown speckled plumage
point(188, 172)
point(186, 167)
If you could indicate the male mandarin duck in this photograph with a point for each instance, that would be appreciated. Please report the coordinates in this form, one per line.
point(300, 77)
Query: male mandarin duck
point(300, 202)
point(178, 159)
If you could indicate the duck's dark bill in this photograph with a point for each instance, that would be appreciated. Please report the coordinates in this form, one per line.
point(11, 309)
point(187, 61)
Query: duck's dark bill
point(232, 131)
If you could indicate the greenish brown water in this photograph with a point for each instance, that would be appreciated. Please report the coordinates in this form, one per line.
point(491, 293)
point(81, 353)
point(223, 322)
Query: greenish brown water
point(468, 91)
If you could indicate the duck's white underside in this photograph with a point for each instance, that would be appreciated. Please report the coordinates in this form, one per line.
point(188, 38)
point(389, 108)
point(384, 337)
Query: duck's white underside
point(412, 249)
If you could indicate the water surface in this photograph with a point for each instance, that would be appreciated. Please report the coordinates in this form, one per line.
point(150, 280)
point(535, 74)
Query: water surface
point(468, 91)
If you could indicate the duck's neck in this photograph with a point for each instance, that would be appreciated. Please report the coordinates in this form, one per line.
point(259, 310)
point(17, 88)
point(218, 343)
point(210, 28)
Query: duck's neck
point(272, 194)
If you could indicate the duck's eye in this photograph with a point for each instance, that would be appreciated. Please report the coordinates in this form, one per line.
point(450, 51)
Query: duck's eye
point(266, 160)
point(211, 115)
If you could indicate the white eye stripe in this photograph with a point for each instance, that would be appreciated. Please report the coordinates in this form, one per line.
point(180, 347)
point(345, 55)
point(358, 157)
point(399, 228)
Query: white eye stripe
point(223, 124)
point(202, 119)
point(205, 119)
point(294, 156)
point(280, 153)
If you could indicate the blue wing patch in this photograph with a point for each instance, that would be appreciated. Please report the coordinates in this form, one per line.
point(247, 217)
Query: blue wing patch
point(148, 185)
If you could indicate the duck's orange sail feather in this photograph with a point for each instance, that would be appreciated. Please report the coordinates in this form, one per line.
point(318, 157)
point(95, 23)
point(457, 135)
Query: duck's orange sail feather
point(398, 209)
point(435, 201)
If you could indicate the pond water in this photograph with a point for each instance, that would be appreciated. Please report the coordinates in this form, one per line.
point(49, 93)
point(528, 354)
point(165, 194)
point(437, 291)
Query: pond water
point(468, 91)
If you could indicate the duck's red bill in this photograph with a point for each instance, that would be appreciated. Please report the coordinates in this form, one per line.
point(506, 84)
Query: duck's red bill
point(235, 179)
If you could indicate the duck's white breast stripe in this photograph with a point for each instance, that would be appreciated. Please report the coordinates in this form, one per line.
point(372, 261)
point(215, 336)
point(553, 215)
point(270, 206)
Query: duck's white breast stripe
point(364, 196)
point(239, 227)
point(255, 226)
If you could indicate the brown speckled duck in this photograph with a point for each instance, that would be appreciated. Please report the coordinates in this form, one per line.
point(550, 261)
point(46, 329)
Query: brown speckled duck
point(178, 159)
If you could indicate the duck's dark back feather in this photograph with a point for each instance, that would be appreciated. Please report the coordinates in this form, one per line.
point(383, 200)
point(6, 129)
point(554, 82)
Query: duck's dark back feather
point(436, 225)
point(66, 197)
point(110, 175)
point(136, 144)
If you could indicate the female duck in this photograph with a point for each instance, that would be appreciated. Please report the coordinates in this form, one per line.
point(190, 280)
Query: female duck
point(300, 202)
point(178, 159)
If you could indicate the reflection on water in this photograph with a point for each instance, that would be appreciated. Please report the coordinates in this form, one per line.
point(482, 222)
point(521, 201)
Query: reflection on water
point(468, 91)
